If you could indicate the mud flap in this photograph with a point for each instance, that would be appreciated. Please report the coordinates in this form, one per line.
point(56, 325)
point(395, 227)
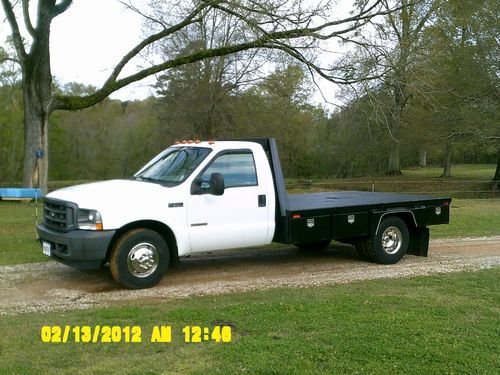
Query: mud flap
point(419, 242)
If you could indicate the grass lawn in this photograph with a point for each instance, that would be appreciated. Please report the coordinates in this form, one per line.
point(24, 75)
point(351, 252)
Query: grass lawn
point(441, 324)
point(17, 233)
point(469, 218)
point(484, 172)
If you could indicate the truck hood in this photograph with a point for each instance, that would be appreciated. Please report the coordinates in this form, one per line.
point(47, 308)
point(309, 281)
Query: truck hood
point(101, 194)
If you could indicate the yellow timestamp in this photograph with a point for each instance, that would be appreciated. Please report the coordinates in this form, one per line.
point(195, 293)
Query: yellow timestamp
point(200, 334)
point(132, 334)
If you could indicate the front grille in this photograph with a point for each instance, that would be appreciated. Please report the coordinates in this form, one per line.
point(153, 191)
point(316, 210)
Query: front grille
point(59, 214)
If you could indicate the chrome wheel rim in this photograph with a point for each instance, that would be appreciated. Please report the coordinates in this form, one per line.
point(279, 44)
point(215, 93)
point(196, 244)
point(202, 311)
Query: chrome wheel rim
point(392, 240)
point(142, 259)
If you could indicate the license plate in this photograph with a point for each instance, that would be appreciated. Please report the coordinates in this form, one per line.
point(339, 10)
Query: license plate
point(47, 248)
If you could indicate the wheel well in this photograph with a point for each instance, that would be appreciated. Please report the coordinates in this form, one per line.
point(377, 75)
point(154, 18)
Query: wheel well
point(162, 229)
point(406, 216)
point(419, 236)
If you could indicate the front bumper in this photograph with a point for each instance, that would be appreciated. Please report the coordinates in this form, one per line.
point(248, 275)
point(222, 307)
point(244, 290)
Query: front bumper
point(80, 249)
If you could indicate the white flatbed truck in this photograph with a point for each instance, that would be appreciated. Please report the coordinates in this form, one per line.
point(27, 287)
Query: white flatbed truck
point(208, 196)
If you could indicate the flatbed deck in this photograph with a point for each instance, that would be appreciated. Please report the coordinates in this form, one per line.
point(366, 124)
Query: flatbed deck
point(367, 200)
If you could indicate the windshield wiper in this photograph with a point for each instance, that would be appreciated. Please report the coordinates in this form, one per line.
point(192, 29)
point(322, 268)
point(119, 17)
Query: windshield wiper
point(148, 179)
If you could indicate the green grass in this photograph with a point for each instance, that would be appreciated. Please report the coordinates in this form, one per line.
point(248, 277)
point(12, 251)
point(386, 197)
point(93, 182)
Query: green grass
point(483, 172)
point(469, 218)
point(17, 233)
point(441, 324)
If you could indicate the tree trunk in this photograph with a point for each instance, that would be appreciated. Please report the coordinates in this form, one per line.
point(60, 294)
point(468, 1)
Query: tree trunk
point(36, 122)
point(496, 177)
point(422, 158)
point(37, 96)
point(393, 166)
point(447, 160)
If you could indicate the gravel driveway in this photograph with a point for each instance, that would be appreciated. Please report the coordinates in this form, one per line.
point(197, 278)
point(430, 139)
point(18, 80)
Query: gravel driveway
point(50, 286)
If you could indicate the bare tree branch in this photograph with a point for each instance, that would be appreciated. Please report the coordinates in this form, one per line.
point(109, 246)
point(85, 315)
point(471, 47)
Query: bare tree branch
point(16, 35)
point(11, 59)
point(61, 7)
point(150, 40)
point(424, 19)
point(134, 9)
point(392, 22)
point(272, 40)
point(26, 15)
point(76, 102)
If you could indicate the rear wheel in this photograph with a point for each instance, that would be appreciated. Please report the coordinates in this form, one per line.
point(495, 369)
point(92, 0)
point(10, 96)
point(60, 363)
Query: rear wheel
point(314, 246)
point(389, 244)
point(139, 259)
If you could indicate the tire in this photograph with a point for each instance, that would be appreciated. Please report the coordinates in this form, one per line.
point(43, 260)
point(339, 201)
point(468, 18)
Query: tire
point(314, 246)
point(390, 243)
point(362, 251)
point(139, 259)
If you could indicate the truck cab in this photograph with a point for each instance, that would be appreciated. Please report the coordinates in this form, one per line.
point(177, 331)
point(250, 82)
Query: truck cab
point(207, 196)
point(198, 196)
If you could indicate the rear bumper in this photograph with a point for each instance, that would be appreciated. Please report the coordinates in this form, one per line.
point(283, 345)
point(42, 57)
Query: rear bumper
point(80, 249)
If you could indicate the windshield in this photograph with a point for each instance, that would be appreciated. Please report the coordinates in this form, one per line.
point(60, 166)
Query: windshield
point(174, 165)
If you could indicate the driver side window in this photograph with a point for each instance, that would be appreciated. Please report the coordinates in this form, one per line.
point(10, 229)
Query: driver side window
point(238, 169)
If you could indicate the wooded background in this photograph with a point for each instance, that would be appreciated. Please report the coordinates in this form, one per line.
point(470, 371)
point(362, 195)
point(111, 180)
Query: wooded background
point(419, 85)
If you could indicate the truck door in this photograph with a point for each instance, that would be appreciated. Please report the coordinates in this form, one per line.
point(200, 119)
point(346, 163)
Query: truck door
point(239, 217)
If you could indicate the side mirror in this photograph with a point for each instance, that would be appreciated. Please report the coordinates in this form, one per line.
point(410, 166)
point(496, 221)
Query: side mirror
point(215, 186)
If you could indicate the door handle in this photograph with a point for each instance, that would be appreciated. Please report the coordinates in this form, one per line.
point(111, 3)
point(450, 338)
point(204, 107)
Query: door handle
point(262, 200)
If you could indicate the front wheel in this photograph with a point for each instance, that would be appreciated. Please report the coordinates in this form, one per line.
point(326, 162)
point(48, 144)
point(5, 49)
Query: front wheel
point(139, 259)
point(389, 244)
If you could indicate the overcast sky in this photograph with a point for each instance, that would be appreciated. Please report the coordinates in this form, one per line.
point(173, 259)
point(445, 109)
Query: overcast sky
point(90, 38)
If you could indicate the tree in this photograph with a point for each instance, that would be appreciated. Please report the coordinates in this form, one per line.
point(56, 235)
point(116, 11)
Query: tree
point(279, 108)
point(10, 118)
point(388, 52)
point(116, 138)
point(285, 25)
point(197, 100)
point(10, 131)
point(462, 86)
point(496, 177)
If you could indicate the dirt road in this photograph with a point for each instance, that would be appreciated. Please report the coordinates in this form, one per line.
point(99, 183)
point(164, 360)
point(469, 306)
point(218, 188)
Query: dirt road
point(51, 286)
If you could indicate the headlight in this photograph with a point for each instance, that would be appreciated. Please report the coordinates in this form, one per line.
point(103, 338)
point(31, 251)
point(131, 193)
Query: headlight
point(89, 219)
